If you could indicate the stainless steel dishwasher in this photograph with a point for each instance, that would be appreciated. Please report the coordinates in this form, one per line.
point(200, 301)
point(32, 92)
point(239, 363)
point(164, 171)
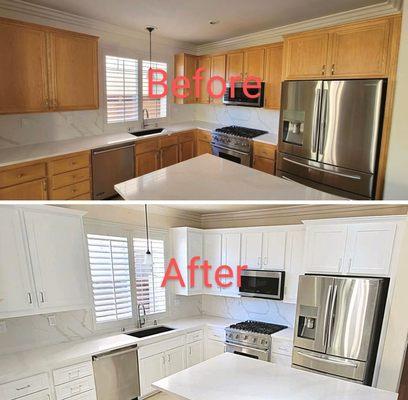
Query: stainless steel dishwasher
point(110, 166)
point(117, 374)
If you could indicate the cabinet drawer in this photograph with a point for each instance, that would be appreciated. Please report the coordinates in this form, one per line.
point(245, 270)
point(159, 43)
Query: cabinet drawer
point(186, 136)
point(20, 175)
point(265, 150)
point(86, 196)
point(194, 336)
point(169, 141)
point(70, 163)
point(68, 374)
point(216, 333)
point(283, 347)
point(204, 135)
point(69, 178)
point(147, 146)
point(35, 190)
point(90, 395)
point(71, 192)
point(24, 387)
point(43, 395)
point(161, 347)
point(74, 388)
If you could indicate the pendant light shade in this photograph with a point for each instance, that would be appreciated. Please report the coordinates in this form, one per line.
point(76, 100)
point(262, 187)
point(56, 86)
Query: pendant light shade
point(148, 259)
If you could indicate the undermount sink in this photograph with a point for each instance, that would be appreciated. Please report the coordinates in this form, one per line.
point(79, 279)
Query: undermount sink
point(150, 331)
point(147, 132)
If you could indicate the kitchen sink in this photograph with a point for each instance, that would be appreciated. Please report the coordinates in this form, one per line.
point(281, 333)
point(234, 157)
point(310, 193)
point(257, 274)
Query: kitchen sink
point(150, 331)
point(147, 132)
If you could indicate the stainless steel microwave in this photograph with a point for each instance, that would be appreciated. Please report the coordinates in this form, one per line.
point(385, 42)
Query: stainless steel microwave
point(262, 284)
point(240, 99)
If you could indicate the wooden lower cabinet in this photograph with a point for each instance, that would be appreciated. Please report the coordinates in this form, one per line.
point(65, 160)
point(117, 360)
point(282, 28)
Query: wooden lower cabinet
point(264, 165)
point(169, 151)
point(187, 145)
point(203, 143)
point(35, 190)
point(264, 158)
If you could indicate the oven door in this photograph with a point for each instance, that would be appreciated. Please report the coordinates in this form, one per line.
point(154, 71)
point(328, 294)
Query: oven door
point(263, 284)
point(247, 352)
point(232, 155)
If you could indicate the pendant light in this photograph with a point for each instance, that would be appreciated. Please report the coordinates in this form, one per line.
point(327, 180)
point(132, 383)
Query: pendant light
point(148, 260)
point(150, 29)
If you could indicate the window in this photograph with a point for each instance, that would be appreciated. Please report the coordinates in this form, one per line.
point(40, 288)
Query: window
point(109, 264)
point(148, 280)
point(157, 108)
point(121, 90)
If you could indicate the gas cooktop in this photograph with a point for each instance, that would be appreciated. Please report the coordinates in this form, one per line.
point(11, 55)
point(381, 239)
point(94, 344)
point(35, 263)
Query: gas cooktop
point(241, 131)
point(258, 327)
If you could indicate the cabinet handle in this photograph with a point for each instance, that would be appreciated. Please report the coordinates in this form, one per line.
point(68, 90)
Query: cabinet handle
point(266, 261)
point(168, 357)
point(190, 350)
point(30, 299)
point(42, 297)
point(47, 103)
point(350, 263)
point(324, 69)
point(164, 360)
point(340, 262)
point(23, 387)
point(333, 69)
point(45, 186)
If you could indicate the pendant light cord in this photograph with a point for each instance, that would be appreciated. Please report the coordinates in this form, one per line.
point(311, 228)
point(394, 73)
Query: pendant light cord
point(147, 229)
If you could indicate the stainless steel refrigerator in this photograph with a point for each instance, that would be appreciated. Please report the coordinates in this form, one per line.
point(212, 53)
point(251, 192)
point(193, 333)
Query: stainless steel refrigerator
point(338, 325)
point(330, 134)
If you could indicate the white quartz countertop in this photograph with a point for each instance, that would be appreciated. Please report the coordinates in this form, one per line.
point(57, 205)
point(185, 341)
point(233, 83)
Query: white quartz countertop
point(234, 377)
point(212, 178)
point(27, 363)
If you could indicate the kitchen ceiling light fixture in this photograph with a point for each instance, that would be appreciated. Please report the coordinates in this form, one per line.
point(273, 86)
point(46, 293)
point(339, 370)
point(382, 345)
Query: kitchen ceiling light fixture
point(214, 22)
point(150, 29)
point(148, 260)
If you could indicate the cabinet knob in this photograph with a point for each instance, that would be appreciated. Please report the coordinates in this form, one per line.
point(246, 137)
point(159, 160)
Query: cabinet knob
point(333, 69)
point(19, 176)
point(324, 69)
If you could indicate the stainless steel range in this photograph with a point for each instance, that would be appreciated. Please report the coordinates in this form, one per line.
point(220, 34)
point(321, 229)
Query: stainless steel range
point(251, 339)
point(234, 143)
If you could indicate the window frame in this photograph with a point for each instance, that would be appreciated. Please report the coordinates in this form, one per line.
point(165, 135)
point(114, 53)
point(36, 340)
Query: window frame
point(97, 227)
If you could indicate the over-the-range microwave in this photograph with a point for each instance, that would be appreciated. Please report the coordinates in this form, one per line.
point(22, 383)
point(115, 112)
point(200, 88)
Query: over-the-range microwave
point(240, 99)
point(262, 284)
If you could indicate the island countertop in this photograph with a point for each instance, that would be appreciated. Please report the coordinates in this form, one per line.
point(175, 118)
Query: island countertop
point(212, 178)
point(234, 377)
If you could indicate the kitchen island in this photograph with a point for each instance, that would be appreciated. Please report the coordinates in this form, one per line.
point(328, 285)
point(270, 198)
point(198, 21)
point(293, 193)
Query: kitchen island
point(235, 377)
point(212, 178)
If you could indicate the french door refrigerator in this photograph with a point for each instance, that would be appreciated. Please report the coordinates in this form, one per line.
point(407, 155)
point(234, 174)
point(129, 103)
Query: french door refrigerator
point(330, 134)
point(338, 325)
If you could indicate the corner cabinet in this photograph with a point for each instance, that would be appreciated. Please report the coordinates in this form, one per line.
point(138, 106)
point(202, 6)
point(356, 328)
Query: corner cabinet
point(43, 69)
point(43, 264)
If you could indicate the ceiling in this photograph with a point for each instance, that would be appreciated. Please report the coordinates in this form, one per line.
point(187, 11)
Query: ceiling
point(188, 20)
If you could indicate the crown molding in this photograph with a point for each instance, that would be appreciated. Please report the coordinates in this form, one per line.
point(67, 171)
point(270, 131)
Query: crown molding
point(274, 35)
point(44, 15)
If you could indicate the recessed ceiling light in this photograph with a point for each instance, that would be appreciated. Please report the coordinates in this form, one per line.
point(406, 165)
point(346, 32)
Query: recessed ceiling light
point(214, 22)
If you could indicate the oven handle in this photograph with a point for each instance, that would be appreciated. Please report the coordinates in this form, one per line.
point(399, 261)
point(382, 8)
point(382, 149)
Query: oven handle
point(240, 347)
point(229, 150)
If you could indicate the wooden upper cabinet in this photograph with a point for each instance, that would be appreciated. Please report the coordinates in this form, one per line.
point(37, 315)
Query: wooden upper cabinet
point(23, 68)
point(74, 60)
point(218, 68)
point(235, 65)
point(306, 55)
point(185, 65)
point(254, 63)
point(273, 76)
point(360, 50)
point(204, 62)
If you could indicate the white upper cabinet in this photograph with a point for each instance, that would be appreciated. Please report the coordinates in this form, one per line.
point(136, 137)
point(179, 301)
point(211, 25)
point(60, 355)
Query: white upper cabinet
point(17, 295)
point(370, 248)
point(325, 248)
point(56, 246)
point(251, 250)
point(212, 253)
point(274, 249)
point(231, 245)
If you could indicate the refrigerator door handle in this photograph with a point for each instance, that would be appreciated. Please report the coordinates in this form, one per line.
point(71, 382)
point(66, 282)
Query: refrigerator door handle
point(355, 177)
point(326, 316)
point(316, 114)
point(331, 317)
point(322, 141)
point(329, 360)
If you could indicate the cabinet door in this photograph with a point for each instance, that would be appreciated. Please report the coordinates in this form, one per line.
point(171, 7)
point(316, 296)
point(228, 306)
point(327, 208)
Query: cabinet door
point(218, 68)
point(213, 348)
point(169, 156)
point(264, 165)
point(186, 150)
point(75, 71)
point(56, 244)
point(176, 360)
point(16, 294)
point(251, 250)
point(147, 162)
point(273, 77)
point(370, 248)
point(274, 250)
point(151, 369)
point(195, 353)
point(306, 56)
point(254, 63)
point(204, 62)
point(23, 68)
point(325, 248)
point(231, 248)
point(195, 249)
point(35, 190)
point(203, 147)
point(212, 253)
point(360, 50)
point(235, 65)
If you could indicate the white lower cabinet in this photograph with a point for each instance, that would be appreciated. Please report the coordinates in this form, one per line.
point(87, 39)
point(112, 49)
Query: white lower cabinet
point(195, 353)
point(25, 388)
point(213, 348)
point(151, 369)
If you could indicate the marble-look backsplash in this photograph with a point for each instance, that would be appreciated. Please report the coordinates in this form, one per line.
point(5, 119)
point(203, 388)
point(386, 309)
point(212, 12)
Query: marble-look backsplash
point(246, 308)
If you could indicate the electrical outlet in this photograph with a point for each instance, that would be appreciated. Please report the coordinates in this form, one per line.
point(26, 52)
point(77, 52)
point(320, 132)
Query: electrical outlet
point(3, 327)
point(52, 321)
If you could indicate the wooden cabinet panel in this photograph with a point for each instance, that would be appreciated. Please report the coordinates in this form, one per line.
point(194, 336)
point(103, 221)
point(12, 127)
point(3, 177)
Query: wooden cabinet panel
point(75, 71)
point(264, 165)
point(218, 68)
point(72, 191)
point(169, 156)
point(235, 65)
point(70, 162)
point(273, 77)
point(147, 162)
point(69, 178)
point(265, 150)
point(254, 63)
point(306, 55)
point(147, 146)
point(204, 62)
point(185, 65)
point(186, 150)
point(26, 173)
point(360, 50)
point(23, 68)
point(35, 190)
point(203, 147)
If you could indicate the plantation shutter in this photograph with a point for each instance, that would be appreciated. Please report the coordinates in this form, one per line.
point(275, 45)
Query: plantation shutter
point(157, 108)
point(121, 89)
point(148, 279)
point(109, 264)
